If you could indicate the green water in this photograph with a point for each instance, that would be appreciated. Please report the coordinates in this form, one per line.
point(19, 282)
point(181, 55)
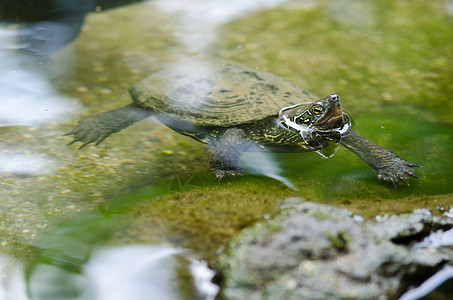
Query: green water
point(391, 62)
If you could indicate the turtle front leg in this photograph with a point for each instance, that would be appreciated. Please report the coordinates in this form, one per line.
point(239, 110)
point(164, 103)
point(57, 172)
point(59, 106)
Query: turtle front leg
point(388, 166)
point(226, 152)
point(96, 128)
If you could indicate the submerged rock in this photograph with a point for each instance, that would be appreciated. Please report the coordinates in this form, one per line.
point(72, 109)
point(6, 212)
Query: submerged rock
point(314, 251)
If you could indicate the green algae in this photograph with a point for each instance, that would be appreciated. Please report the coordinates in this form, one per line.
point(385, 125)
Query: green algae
point(204, 219)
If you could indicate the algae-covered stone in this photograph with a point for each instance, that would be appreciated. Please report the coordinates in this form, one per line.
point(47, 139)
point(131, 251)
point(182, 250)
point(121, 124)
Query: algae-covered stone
point(314, 251)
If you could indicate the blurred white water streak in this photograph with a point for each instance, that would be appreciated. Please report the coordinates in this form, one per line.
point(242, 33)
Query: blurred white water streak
point(134, 272)
point(199, 20)
point(26, 94)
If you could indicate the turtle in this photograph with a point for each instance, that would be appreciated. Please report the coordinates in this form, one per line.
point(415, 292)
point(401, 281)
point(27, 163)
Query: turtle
point(233, 109)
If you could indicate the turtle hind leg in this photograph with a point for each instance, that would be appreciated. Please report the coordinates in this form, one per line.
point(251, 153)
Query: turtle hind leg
point(97, 128)
point(226, 152)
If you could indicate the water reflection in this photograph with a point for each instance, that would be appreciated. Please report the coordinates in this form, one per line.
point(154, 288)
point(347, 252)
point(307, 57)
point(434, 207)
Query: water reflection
point(133, 272)
point(430, 285)
point(12, 285)
point(198, 25)
point(264, 163)
point(48, 26)
point(25, 162)
point(27, 96)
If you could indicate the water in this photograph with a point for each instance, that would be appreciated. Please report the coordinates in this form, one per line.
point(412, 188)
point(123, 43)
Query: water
point(132, 272)
point(391, 64)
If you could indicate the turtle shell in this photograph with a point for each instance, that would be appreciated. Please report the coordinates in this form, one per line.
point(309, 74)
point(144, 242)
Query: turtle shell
point(217, 93)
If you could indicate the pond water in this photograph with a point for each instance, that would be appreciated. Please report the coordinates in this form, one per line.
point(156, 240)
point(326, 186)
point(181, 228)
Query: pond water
point(146, 195)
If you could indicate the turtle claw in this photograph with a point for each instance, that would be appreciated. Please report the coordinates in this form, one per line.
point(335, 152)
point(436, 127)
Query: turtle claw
point(415, 176)
point(404, 180)
point(399, 170)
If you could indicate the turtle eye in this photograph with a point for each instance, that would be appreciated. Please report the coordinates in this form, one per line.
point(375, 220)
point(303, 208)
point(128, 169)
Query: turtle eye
point(317, 109)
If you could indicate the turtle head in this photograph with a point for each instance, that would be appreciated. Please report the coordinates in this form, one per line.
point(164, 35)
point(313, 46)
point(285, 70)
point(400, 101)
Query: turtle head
point(318, 123)
point(323, 114)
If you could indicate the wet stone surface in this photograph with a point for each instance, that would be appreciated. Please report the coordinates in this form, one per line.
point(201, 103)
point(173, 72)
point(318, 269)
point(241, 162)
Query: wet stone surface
point(314, 251)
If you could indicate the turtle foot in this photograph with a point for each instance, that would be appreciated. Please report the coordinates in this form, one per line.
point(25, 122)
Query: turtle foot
point(399, 170)
point(96, 128)
point(89, 130)
point(221, 174)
